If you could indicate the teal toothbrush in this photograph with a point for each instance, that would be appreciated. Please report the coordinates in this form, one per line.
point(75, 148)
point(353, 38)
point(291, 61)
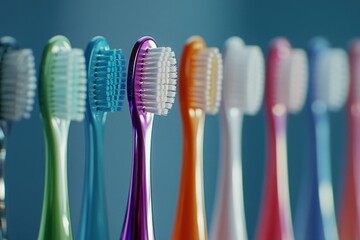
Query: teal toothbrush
point(106, 74)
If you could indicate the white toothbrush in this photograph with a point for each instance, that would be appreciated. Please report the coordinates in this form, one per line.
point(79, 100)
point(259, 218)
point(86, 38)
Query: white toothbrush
point(243, 90)
point(17, 91)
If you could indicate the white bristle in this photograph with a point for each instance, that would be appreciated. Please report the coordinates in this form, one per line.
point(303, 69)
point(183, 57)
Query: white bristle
point(332, 78)
point(207, 73)
point(158, 79)
point(243, 85)
point(17, 85)
point(293, 80)
point(67, 89)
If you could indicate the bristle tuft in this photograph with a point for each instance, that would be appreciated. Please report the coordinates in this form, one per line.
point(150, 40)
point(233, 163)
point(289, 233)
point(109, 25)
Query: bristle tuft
point(207, 72)
point(107, 81)
point(332, 78)
point(17, 85)
point(293, 80)
point(243, 85)
point(67, 89)
point(158, 78)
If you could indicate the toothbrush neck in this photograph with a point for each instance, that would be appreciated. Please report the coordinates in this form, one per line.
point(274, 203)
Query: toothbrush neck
point(354, 125)
point(139, 220)
point(232, 122)
point(195, 134)
point(4, 131)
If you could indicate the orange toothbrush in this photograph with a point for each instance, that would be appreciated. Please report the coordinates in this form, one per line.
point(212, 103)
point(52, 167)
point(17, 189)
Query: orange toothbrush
point(200, 93)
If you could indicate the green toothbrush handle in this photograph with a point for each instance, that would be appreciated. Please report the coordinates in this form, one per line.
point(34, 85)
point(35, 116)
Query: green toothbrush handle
point(55, 219)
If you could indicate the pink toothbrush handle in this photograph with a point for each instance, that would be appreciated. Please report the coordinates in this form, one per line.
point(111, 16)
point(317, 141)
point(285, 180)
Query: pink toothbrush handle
point(349, 222)
point(275, 217)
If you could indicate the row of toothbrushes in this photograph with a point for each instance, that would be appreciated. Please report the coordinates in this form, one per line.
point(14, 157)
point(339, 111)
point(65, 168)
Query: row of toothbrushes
point(71, 86)
point(74, 85)
point(320, 85)
point(151, 88)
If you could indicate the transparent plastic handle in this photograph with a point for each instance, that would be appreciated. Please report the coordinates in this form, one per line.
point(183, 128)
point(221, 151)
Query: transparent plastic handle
point(94, 222)
point(139, 219)
point(190, 220)
point(3, 222)
point(229, 214)
point(55, 219)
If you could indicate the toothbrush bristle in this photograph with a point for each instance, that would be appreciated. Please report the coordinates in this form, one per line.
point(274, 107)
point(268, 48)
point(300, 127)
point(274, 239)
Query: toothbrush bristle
point(205, 92)
point(17, 85)
point(244, 79)
point(107, 77)
point(293, 80)
point(158, 78)
point(332, 78)
point(67, 89)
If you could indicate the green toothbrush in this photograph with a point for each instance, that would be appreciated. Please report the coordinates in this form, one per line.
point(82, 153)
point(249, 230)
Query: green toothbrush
point(62, 93)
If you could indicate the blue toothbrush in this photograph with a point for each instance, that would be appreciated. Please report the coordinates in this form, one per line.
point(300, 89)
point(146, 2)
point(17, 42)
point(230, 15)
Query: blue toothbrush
point(328, 86)
point(106, 74)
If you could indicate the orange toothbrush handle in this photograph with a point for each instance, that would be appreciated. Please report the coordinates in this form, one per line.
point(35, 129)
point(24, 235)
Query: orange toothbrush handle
point(190, 222)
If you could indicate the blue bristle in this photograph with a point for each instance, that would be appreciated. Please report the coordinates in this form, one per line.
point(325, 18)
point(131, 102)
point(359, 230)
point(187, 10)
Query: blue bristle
point(108, 73)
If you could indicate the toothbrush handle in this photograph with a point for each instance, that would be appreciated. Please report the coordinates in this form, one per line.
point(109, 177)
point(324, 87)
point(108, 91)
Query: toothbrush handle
point(3, 222)
point(229, 215)
point(321, 220)
point(275, 217)
point(349, 217)
point(55, 219)
point(138, 222)
point(190, 220)
point(94, 223)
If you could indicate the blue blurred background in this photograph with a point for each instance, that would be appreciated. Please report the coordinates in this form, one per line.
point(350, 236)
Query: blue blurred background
point(171, 22)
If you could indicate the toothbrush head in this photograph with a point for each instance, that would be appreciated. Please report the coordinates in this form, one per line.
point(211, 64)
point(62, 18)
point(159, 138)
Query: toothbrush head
point(17, 84)
point(62, 81)
point(243, 84)
point(287, 76)
point(106, 76)
point(201, 76)
point(331, 78)
point(354, 52)
point(152, 78)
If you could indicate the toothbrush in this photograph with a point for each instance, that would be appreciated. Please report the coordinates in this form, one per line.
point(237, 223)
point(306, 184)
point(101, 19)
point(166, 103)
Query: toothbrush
point(151, 88)
point(327, 92)
point(349, 215)
point(200, 93)
point(17, 92)
point(243, 87)
point(286, 84)
point(62, 94)
point(106, 92)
